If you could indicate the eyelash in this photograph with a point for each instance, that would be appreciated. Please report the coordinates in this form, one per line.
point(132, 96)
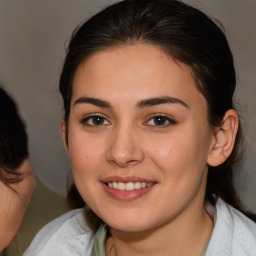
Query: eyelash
point(101, 121)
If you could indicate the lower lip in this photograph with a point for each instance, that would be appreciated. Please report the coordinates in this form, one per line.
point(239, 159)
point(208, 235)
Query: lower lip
point(125, 195)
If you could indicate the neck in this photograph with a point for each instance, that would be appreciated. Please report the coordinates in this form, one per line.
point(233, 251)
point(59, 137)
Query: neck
point(182, 235)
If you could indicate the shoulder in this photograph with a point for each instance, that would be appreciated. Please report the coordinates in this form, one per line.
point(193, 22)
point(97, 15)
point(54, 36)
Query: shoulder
point(234, 234)
point(66, 235)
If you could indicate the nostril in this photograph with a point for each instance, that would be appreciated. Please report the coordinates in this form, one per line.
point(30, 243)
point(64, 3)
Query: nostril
point(124, 150)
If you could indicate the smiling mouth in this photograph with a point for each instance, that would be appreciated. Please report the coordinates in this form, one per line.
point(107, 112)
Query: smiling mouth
point(129, 186)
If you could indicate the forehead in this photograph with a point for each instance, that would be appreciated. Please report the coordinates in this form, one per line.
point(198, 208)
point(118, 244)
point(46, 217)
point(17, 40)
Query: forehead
point(140, 70)
point(142, 55)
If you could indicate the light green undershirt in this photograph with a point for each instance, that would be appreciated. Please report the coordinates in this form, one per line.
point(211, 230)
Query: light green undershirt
point(98, 247)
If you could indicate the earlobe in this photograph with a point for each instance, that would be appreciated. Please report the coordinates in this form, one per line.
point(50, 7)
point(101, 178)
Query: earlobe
point(63, 134)
point(224, 139)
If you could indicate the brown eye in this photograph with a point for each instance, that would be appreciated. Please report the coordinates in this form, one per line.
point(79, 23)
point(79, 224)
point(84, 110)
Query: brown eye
point(160, 120)
point(95, 120)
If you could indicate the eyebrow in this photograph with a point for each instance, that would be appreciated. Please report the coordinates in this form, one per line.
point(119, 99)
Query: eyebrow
point(93, 101)
point(160, 100)
point(141, 104)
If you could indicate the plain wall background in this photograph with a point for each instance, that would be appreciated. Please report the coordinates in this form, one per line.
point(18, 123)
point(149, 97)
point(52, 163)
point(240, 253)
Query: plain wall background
point(33, 35)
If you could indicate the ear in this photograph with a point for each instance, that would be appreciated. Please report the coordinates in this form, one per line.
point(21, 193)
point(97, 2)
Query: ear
point(224, 139)
point(63, 134)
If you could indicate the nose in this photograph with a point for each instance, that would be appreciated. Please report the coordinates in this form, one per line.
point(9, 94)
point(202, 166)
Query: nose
point(125, 148)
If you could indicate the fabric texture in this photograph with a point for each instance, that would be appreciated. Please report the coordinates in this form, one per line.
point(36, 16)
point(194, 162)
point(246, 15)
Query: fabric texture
point(67, 235)
point(233, 235)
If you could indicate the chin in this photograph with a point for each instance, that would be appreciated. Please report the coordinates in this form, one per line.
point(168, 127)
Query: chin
point(129, 223)
point(133, 228)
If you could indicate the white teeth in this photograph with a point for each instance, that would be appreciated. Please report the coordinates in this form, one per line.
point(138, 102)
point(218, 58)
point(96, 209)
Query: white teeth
point(129, 185)
point(121, 186)
point(138, 185)
point(115, 185)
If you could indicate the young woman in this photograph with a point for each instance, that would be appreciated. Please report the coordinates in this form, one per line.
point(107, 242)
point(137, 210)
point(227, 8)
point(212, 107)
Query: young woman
point(17, 180)
point(152, 135)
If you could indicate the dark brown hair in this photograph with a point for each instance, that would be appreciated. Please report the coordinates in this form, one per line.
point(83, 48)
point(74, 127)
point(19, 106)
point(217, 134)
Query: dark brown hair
point(187, 35)
point(13, 140)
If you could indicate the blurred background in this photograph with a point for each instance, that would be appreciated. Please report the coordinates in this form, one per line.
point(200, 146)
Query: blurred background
point(33, 38)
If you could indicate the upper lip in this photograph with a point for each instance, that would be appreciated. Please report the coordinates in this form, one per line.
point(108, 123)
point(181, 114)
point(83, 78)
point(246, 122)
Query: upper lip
point(125, 179)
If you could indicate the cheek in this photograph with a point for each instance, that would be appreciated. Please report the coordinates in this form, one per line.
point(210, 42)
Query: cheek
point(180, 152)
point(170, 151)
point(85, 154)
point(85, 161)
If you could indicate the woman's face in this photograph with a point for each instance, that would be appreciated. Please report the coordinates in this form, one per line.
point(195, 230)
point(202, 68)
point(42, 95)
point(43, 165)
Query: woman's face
point(139, 138)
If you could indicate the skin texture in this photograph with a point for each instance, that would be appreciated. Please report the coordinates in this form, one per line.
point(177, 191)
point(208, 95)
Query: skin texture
point(14, 204)
point(128, 144)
